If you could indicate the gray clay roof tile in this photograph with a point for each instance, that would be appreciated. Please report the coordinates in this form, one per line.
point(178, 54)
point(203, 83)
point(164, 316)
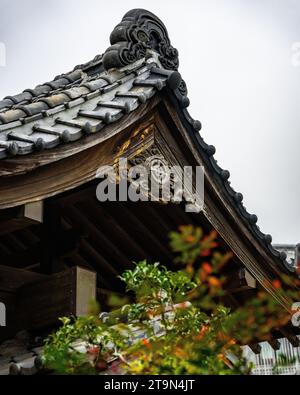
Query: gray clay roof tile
point(104, 90)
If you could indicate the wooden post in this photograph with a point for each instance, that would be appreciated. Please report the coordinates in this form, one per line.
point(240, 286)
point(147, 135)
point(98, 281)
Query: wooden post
point(275, 344)
point(51, 230)
point(292, 338)
point(255, 347)
point(20, 217)
point(43, 299)
point(2, 314)
point(240, 280)
point(34, 211)
point(85, 290)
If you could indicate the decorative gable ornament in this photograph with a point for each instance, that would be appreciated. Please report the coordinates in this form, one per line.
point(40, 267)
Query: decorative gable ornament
point(138, 32)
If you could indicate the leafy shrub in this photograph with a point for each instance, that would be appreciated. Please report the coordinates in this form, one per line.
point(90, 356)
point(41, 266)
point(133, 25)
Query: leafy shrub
point(177, 324)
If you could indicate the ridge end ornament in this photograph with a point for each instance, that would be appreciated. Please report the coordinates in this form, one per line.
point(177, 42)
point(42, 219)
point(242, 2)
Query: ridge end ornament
point(139, 31)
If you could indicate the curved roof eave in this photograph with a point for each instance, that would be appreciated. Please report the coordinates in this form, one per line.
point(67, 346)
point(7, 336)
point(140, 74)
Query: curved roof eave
point(139, 62)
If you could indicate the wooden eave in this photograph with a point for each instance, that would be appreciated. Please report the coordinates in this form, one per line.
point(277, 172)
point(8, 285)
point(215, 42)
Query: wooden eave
point(159, 123)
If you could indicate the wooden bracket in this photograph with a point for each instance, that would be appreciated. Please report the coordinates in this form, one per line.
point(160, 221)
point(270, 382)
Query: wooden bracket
point(20, 217)
point(240, 280)
point(39, 303)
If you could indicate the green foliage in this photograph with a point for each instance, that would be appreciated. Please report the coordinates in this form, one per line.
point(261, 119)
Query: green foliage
point(79, 344)
point(59, 353)
point(197, 333)
point(186, 243)
point(154, 282)
point(282, 362)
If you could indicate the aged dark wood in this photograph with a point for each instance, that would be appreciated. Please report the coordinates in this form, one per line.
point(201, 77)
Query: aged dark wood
point(27, 164)
point(12, 278)
point(111, 235)
point(51, 231)
point(118, 234)
point(15, 218)
point(217, 209)
point(275, 344)
point(288, 334)
point(21, 259)
point(99, 238)
point(240, 280)
point(255, 347)
point(37, 301)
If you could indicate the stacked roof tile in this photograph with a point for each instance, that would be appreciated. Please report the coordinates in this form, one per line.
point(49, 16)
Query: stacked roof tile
point(21, 355)
point(137, 65)
point(100, 92)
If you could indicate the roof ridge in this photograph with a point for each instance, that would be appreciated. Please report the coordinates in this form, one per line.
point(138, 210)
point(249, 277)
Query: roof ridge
point(139, 62)
point(59, 82)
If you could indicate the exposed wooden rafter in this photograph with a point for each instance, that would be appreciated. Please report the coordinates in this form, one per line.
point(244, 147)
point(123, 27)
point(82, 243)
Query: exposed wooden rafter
point(42, 299)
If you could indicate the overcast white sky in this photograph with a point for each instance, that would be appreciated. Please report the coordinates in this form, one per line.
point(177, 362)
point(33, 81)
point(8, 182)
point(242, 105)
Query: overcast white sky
point(236, 57)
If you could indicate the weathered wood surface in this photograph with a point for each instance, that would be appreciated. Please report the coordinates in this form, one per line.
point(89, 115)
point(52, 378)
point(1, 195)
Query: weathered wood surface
point(20, 217)
point(58, 171)
point(220, 213)
point(28, 163)
point(12, 278)
point(41, 300)
point(240, 280)
point(73, 171)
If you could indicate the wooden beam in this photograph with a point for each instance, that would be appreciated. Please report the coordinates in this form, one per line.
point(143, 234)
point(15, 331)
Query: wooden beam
point(34, 211)
point(98, 259)
point(20, 217)
point(76, 259)
point(80, 194)
point(51, 230)
point(27, 236)
point(255, 347)
point(230, 300)
point(108, 248)
point(122, 239)
point(219, 210)
point(12, 279)
point(177, 216)
point(20, 259)
point(275, 344)
point(292, 338)
point(39, 304)
point(136, 227)
point(79, 259)
point(2, 314)
point(66, 243)
point(240, 280)
point(14, 242)
point(85, 290)
point(66, 167)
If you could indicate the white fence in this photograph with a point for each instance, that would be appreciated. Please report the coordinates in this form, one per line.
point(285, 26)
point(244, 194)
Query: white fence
point(268, 359)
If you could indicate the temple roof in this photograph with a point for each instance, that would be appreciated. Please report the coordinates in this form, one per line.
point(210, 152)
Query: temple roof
point(94, 94)
point(75, 104)
point(140, 62)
